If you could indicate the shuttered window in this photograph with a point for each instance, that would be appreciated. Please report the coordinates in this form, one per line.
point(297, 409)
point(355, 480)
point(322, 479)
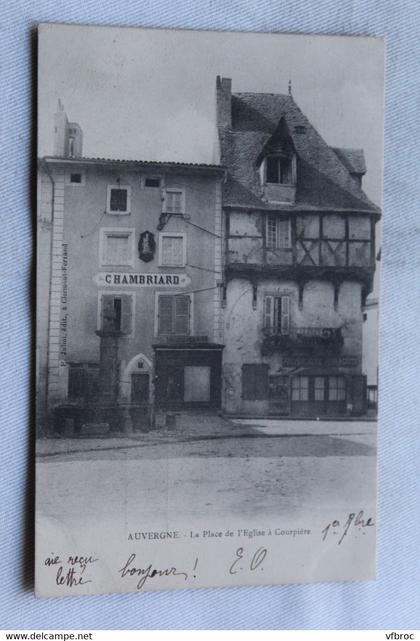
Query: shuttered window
point(117, 248)
point(174, 314)
point(174, 201)
point(172, 250)
point(255, 381)
point(117, 313)
point(277, 314)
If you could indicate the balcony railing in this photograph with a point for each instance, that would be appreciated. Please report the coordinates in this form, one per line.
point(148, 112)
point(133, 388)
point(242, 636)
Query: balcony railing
point(311, 340)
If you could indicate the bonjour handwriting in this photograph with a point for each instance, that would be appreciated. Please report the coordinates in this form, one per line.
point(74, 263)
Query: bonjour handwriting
point(148, 572)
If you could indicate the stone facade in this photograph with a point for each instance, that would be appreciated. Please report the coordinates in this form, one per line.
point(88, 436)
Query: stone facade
point(124, 276)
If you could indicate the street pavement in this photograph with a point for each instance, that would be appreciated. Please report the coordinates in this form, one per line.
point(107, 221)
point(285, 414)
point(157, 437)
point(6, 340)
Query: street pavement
point(254, 469)
point(191, 427)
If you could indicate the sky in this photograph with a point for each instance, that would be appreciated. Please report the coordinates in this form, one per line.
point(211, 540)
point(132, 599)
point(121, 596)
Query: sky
point(149, 94)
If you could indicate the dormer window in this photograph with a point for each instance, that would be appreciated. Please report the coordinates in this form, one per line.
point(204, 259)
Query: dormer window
point(280, 170)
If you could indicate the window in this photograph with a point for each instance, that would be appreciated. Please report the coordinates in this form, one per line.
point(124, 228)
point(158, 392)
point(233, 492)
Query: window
point(174, 201)
point(255, 382)
point(152, 181)
point(118, 200)
point(336, 388)
point(300, 388)
point(75, 178)
point(174, 311)
point(277, 314)
point(83, 381)
point(278, 232)
point(116, 313)
point(279, 170)
point(117, 247)
point(319, 388)
point(172, 250)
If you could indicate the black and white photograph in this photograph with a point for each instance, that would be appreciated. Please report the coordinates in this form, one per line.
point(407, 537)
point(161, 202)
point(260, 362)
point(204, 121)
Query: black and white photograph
point(208, 259)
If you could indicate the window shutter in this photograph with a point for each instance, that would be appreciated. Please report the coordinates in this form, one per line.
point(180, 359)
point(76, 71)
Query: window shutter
point(271, 232)
point(116, 249)
point(107, 313)
point(269, 312)
point(174, 202)
point(285, 314)
point(127, 313)
point(165, 304)
point(172, 250)
point(248, 382)
point(283, 233)
point(255, 381)
point(182, 315)
point(261, 382)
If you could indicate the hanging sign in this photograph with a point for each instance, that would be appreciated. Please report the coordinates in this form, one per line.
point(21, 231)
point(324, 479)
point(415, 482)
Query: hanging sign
point(130, 279)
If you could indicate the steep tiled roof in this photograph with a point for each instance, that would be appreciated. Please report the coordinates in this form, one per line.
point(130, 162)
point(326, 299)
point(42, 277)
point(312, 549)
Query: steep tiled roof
point(353, 159)
point(324, 180)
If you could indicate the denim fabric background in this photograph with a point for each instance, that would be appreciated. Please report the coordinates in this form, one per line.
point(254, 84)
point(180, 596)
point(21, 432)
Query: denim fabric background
point(393, 600)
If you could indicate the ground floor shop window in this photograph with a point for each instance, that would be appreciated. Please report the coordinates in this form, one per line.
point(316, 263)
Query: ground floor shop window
point(336, 388)
point(300, 388)
point(318, 388)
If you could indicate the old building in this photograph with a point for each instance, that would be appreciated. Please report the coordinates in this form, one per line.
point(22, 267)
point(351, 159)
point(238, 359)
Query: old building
point(129, 266)
point(299, 261)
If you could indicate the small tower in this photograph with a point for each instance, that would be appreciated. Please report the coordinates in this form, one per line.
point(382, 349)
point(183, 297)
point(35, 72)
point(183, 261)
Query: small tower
point(68, 136)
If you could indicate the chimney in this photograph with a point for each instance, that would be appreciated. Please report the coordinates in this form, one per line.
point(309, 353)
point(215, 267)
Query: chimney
point(224, 100)
point(68, 136)
point(60, 129)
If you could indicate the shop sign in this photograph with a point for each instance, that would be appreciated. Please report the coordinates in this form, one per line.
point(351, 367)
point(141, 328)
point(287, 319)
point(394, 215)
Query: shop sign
point(130, 279)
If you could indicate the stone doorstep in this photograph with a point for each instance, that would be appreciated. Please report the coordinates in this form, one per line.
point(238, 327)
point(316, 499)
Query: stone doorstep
point(95, 429)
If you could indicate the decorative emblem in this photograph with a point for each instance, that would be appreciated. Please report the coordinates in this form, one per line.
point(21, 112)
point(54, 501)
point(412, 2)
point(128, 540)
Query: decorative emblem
point(147, 246)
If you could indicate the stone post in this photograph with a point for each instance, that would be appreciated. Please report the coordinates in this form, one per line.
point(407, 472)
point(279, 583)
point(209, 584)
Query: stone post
point(109, 374)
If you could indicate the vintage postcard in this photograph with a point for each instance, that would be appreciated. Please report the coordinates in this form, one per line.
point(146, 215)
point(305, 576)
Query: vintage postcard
point(209, 210)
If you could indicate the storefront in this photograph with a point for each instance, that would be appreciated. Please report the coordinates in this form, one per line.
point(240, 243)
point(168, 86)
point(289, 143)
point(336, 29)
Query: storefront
point(316, 394)
point(188, 375)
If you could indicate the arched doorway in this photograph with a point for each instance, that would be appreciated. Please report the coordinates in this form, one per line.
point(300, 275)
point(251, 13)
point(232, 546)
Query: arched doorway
point(136, 381)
